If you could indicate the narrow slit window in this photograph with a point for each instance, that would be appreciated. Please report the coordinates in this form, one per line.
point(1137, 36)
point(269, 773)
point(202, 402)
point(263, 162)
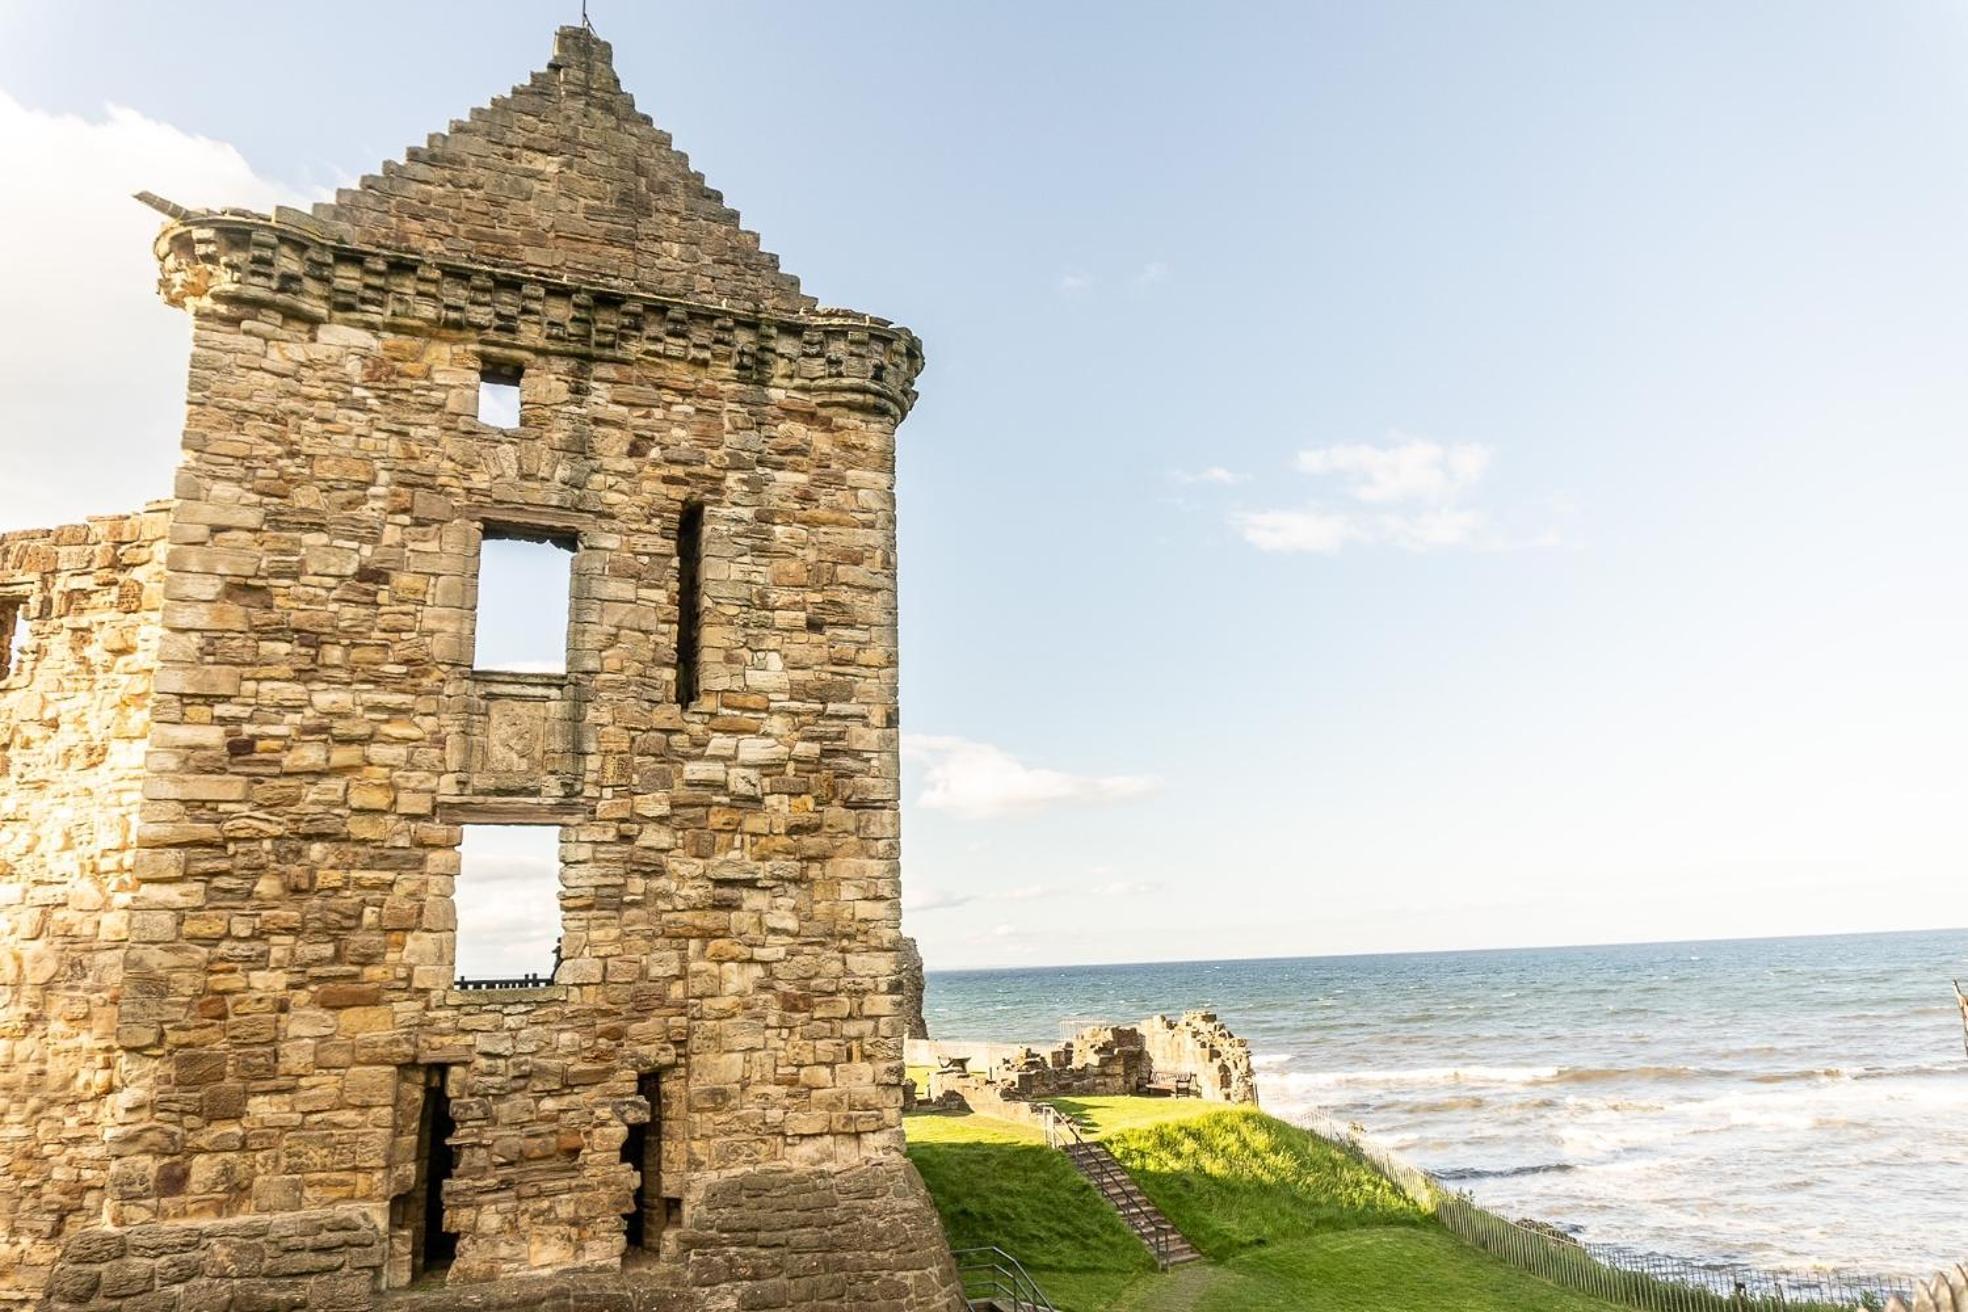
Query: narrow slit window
point(507, 900)
point(523, 585)
point(690, 600)
point(642, 1150)
point(435, 1246)
point(13, 635)
point(498, 396)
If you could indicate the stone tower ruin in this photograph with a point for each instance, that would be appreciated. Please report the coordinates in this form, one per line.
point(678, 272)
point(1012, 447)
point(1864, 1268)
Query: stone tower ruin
point(245, 733)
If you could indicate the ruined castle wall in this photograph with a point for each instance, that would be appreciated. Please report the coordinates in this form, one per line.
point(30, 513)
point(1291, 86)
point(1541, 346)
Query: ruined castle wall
point(74, 722)
point(1198, 1045)
point(730, 896)
point(289, 1033)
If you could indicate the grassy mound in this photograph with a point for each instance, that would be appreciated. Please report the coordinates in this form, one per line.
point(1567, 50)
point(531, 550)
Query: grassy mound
point(1238, 1180)
point(1285, 1219)
point(996, 1184)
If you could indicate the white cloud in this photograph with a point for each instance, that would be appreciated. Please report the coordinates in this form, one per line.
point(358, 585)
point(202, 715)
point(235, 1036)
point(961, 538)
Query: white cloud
point(1073, 282)
point(1127, 888)
point(1413, 469)
point(933, 899)
point(978, 781)
point(1297, 530)
point(1151, 273)
point(91, 361)
point(1417, 489)
point(1216, 474)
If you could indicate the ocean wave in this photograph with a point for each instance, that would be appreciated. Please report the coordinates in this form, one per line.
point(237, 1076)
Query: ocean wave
point(1503, 1172)
point(1533, 1076)
point(1513, 1075)
point(1912, 1070)
point(1428, 1075)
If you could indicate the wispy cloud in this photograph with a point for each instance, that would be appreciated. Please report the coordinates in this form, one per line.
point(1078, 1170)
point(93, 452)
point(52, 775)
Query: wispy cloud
point(1414, 469)
point(75, 446)
point(1409, 493)
point(938, 899)
point(1151, 273)
point(1127, 888)
point(1073, 282)
point(933, 899)
point(979, 781)
point(1215, 474)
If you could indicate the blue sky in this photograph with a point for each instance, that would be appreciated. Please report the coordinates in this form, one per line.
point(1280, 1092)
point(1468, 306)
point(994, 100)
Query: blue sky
point(1387, 477)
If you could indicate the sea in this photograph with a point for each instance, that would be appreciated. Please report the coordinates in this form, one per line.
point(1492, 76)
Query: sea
point(1790, 1104)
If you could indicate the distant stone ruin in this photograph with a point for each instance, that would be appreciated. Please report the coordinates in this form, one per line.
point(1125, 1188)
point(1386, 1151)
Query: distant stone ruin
point(244, 733)
point(1193, 1056)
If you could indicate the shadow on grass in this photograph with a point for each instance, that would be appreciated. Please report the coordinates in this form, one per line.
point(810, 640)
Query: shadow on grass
point(1027, 1199)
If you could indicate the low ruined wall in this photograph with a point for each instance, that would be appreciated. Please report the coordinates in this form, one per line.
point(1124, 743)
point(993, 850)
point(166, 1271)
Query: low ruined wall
point(865, 1237)
point(1200, 1045)
point(325, 1261)
point(1104, 1060)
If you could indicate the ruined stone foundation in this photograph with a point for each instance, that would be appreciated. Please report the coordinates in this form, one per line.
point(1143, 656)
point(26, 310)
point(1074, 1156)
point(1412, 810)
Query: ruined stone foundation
point(244, 733)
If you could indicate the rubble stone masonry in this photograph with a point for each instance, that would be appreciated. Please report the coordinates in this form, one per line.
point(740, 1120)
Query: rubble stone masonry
point(247, 729)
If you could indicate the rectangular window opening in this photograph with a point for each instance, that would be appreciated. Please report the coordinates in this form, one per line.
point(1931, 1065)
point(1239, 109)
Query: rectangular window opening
point(690, 600)
point(13, 635)
point(507, 903)
point(524, 583)
point(643, 1151)
point(498, 396)
point(435, 1246)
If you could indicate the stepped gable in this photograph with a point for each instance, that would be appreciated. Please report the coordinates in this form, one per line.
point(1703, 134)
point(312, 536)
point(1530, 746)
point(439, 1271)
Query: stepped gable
point(565, 178)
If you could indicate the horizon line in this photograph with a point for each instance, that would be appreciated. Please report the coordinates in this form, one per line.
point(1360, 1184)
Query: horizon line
point(1441, 952)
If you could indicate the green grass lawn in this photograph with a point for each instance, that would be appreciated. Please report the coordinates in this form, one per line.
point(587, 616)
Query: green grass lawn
point(1107, 1116)
point(996, 1184)
point(1284, 1219)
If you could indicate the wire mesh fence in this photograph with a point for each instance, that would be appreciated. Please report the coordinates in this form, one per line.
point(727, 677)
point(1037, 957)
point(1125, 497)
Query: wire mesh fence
point(1651, 1281)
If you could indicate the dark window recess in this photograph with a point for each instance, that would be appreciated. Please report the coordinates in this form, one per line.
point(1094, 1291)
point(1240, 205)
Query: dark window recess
point(498, 396)
point(642, 1150)
point(690, 600)
point(13, 634)
point(435, 1246)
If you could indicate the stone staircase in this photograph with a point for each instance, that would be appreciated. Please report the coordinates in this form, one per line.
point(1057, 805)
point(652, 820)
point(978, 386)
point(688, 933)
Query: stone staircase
point(1118, 1187)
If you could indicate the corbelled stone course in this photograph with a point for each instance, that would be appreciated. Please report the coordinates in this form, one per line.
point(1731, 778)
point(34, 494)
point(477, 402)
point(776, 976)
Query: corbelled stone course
point(247, 731)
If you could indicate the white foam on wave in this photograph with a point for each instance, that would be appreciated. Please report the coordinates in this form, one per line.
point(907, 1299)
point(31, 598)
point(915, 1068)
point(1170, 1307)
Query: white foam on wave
point(1307, 1080)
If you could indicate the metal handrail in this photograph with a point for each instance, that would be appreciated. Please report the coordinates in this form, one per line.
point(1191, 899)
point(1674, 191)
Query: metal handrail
point(991, 1276)
point(1153, 1229)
